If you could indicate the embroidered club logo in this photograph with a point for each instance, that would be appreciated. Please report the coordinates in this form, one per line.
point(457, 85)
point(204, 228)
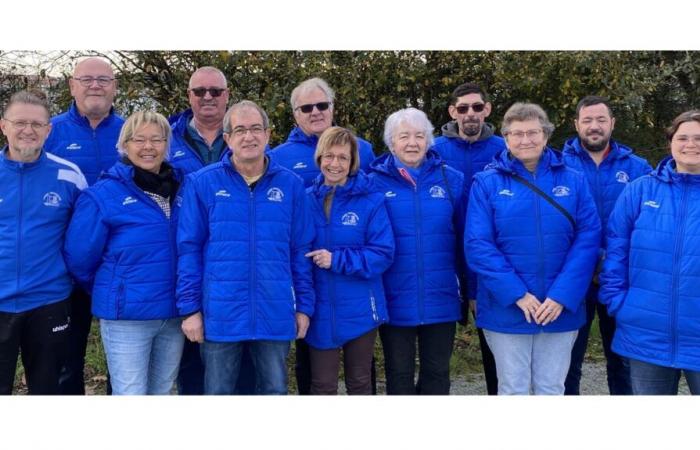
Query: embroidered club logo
point(275, 194)
point(390, 194)
point(622, 177)
point(129, 200)
point(652, 204)
point(506, 192)
point(437, 192)
point(74, 146)
point(299, 165)
point(561, 191)
point(222, 193)
point(52, 199)
point(178, 154)
point(350, 218)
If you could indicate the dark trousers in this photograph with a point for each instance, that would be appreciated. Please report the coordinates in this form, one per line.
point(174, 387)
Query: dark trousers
point(650, 379)
point(617, 366)
point(42, 336)
point(435, 343)
point(72, 379)
point(489, 363)
point(190, 376)
point(357, 364)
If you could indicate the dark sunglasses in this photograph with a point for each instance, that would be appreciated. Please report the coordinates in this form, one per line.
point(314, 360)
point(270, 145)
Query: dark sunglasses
point(477, 107)
point(321, 106)
point(201, 92)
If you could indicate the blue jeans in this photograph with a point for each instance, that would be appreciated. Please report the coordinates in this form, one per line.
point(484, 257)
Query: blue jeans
point(142, 355)
point(222, 365)
point(650, 379)
point(536, 362)
point(618, 369)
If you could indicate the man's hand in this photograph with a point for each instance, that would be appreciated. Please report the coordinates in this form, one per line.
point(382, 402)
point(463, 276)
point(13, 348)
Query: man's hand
point(193, 328)
point(302, 325)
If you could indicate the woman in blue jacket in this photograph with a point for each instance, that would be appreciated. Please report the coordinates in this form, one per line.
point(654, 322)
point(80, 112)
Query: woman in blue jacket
point(650, 275)
point(354, 245)
point(534, 254)
point(120, 246)
point(426, 203)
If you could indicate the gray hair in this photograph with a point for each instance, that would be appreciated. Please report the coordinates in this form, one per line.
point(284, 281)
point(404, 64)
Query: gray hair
point(138, 120)
point(29, 97)
point(520, 112)
point(310, 85)
point(210, 69)
point(244, 104)
point(409, 116)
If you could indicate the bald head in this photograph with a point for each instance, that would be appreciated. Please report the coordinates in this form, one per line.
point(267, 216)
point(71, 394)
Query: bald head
point(93, 87)
point(208, 96)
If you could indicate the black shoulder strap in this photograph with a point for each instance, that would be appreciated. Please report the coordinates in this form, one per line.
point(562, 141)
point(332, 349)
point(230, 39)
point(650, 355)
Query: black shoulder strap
point(447, 183)
point(539, 192)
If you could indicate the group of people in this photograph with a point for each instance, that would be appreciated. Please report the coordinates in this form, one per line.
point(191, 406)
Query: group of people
point(204, 253)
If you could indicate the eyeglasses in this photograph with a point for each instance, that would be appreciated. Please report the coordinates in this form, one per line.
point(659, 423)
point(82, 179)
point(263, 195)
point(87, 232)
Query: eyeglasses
point(201, 91)
point(477, 107)
point(329, 157)
point(321, 106)
point(255, 130)
point(141, 142)
point(519, 135)
point(22, 124)
point(87, 81)
point(683, 139)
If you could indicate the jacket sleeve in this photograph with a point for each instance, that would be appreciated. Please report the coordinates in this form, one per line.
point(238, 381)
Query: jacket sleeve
point(467, 287)
point(303, 233)
point(375, 256)
point(86, 238)
point(571, 284)
point(483, 254)
point(614, 279)
point(366, 157)
point(192, 234)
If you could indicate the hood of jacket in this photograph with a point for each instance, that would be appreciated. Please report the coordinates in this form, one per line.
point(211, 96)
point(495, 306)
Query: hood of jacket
point(505, 162)
point(451, 130)
point(386, 163)
point(357, 184)
point(617, 150)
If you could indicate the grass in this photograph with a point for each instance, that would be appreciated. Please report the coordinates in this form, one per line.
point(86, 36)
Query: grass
point(466, 359)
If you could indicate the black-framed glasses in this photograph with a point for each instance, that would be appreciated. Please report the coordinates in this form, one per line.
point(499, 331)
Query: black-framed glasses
point(321, 106)
point(87, 81)
point(202, 91)
point(476, 107)
point(22, 124)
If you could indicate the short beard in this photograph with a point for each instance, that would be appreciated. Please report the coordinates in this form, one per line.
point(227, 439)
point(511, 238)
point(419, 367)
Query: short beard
point(593, 147)
point(471, 129)
point(27, 154)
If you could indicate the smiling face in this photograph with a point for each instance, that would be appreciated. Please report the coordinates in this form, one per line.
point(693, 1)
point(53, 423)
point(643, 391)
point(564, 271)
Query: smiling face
point(594, 126)
point(248, 136)
point(25, 144)
point(470, 121)
point(335, 164)
point(409, 145)
point(526, 141)
point(685, 147)
point(93, 101)
point(316, 121)
point(147, 148)
point(208, 108)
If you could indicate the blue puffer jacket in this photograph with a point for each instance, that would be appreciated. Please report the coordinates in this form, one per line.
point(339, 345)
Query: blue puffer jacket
point(470, 159)
point(350, 295)
point(182, 155)
point(297, 155)
point(73, 139)
point(120, 246)
point(650, 275)
point(517, 242)
point(428, 220)
point(609, 179)
point(241, 253)
point(36, 202)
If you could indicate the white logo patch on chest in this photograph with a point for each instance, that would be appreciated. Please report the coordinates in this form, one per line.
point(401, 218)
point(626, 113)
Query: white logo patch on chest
point(275, 194)
point(622, 177)
point(561, 191)
point(52, 199)
point(437, 192)
point(350, 218)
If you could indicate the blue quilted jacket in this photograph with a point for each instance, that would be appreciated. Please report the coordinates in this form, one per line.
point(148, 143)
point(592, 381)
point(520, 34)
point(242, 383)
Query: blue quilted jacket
point(651, 273)
point(120, 246)
point(241, 253)
point(517, 242)
point(73, 139)
point(350, 295)
point(428, 220)
point(297, 155)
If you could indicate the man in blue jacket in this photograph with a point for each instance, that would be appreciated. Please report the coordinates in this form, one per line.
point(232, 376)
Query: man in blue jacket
point(85, 135)
point(243, 279)
point(313, 108)
point(608, 166)
point(37, 193)
point(198, 141)
point(468, 144)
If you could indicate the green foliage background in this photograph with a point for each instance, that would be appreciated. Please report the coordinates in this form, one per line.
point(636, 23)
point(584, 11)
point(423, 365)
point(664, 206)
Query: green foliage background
point(647, 88)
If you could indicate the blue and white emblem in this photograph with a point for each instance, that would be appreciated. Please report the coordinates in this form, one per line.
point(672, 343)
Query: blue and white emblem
point(622, 177)
point(52, 199)
point(275, 194)
point(437, 192)
point(561, 191)
point(350, 218)
point(129, 200)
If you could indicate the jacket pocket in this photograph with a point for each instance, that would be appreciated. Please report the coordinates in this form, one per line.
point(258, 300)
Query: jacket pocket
point(120, 301)
point(373, 304)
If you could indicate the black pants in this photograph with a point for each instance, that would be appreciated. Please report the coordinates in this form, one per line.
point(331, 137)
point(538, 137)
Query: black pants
point(435, 343)
point(42, 336)
point(489, 363)
point(190, 378)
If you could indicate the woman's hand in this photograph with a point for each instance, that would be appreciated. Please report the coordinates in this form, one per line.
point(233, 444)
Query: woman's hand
point(548, 312)
point(194, 328)
point(302, 324)
point(321, 257)
point(529, 304)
